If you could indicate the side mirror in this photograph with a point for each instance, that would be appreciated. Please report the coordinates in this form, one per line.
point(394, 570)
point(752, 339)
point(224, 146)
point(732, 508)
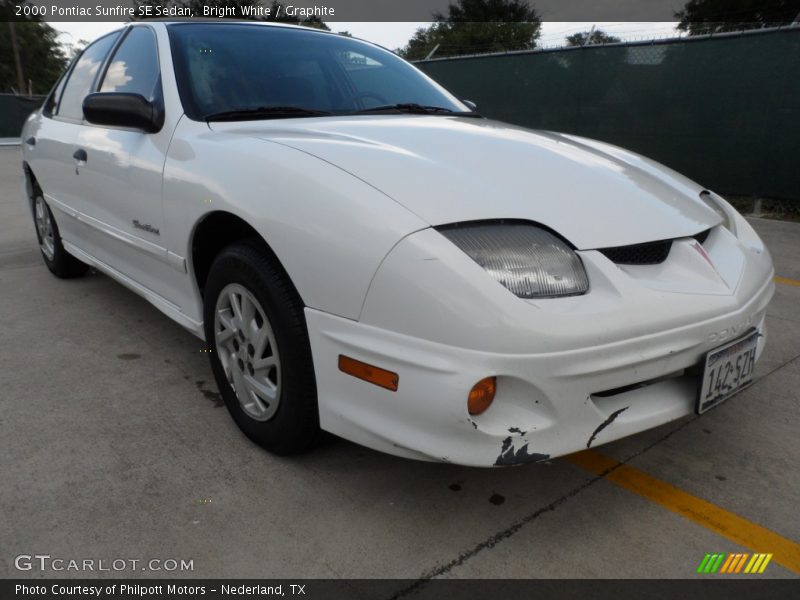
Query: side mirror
point(123, 110)
point(470, 105)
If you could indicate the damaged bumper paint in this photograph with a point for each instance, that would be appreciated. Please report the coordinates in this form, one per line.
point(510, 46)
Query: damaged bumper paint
point(571, 373)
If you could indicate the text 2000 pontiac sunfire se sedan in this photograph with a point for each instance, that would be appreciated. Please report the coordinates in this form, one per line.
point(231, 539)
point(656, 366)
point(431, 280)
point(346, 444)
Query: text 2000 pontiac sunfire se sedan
point(363, 253)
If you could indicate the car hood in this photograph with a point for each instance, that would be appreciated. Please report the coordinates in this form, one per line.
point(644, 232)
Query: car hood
point(455, 169)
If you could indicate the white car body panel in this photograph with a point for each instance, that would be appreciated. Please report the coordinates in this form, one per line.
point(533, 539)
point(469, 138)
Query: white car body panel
point(551, 357)
point(438, 168)
point(329, 230)
point(348, 205)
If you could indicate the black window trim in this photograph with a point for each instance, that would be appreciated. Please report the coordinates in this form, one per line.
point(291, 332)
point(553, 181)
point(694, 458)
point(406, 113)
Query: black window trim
point(68, 74)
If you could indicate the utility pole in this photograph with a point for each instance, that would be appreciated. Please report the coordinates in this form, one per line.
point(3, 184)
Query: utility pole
point(17, 60)
point(588, 39)
point(432, 52)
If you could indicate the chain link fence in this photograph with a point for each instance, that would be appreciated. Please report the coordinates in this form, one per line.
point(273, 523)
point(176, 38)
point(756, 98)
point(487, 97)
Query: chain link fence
point(723, 109)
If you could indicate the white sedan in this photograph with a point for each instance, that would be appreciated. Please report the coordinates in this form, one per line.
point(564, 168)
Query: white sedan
point(363, 253)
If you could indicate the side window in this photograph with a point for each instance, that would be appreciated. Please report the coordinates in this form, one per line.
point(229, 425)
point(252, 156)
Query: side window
point(134, 67)
point(82, 76)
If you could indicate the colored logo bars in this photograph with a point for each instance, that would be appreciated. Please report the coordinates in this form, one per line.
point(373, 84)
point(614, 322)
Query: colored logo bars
point(734, 563)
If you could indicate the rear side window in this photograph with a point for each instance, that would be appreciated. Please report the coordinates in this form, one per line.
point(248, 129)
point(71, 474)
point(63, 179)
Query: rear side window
point(134, 67)
point(82, 76)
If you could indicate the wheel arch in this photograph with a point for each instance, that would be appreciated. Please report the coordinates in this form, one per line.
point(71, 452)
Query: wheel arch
point(213, 233)
point(31, 183)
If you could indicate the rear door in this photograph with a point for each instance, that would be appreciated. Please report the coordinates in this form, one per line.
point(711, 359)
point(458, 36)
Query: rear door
point(50, 143)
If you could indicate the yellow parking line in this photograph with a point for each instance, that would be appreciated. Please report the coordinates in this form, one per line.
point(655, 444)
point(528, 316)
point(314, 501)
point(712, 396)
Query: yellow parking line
point(787, 281)
point(737, 529)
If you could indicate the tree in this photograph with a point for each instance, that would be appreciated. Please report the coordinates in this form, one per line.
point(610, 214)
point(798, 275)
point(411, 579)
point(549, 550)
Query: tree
point(587, 38)
point(40, 55)
point(75, 48)
point(477, 26)
point(700, 17)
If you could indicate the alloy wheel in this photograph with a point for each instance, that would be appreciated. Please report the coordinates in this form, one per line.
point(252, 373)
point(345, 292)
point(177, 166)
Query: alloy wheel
point(44, 226)
point(246, 347)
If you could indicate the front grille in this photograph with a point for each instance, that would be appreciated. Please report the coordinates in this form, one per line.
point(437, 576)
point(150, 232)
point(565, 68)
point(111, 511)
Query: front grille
point(691, 371)
point(651, 253)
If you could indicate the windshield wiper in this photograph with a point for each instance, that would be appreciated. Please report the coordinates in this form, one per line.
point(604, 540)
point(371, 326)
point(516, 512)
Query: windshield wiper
point(412, 108)
point(264, 112)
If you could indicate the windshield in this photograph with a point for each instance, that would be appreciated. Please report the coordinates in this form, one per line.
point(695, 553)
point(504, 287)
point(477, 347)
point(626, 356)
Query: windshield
point(223, 67)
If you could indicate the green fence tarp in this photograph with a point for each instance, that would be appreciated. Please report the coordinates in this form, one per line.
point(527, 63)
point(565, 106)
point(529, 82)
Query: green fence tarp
point(723, 110)
point(13, 112)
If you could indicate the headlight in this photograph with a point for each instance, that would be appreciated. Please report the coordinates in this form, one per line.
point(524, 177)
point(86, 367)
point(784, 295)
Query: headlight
point(722, 208)
point(528, 260)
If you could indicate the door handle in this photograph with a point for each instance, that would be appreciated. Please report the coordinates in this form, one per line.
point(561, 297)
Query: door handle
point(80, 155)
point(31, 141)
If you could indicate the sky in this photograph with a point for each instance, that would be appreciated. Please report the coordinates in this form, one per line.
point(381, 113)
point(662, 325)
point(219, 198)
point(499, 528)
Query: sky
point(395, 35)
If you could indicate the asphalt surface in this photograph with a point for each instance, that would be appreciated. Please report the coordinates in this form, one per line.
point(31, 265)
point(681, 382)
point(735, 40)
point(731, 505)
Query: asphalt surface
point(114, 444)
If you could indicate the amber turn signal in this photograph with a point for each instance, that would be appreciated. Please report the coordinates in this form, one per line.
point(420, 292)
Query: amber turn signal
point(481, 395)
point(375, 375)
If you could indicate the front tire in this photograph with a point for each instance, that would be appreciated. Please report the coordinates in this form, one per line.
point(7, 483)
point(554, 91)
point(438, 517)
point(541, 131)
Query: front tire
point(60, 262)
point(260, 353)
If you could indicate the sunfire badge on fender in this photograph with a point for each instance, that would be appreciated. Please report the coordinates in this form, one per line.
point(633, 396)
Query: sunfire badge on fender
point(146, 227)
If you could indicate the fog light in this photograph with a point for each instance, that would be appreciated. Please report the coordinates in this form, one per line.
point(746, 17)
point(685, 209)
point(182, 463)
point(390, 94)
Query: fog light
point(481, 395)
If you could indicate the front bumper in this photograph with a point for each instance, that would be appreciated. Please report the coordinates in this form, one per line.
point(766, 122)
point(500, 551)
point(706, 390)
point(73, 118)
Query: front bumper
point(616, 372)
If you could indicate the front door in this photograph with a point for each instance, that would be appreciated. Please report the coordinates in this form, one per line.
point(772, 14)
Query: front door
point(122, 171)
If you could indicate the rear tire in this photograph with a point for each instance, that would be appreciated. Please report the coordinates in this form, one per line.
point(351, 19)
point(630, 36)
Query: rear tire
point(260, 354)
point(60, 262)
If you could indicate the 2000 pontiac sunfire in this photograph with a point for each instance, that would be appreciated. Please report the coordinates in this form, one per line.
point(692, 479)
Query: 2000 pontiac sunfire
point(364, 254)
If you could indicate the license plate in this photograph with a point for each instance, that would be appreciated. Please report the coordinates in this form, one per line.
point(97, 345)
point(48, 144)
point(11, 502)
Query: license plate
point(728, 369)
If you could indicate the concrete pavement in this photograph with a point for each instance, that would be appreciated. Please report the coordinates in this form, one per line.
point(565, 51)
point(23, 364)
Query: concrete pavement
point(114, 444)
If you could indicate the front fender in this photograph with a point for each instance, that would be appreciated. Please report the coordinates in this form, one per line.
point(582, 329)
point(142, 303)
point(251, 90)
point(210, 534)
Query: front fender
point(329, 230)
